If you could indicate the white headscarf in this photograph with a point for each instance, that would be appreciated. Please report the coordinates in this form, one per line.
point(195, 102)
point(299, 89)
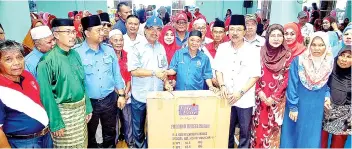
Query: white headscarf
point(313, 71)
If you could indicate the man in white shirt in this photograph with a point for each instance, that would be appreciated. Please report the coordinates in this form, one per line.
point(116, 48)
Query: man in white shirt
point(307, 29)
point(251, 31)
point(237, 70)
point(131, 38)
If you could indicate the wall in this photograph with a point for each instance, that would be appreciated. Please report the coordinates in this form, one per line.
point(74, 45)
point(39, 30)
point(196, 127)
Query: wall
point(348, 9)
point(61, 8)
point(15, 23)
point(283, 12)
point(217, 9)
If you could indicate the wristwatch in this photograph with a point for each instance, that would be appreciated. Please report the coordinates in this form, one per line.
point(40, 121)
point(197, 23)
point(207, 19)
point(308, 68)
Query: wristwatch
point(242, 93)
point(122, 95)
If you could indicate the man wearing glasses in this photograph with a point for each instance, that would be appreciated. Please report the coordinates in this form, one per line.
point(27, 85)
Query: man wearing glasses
point(43, 42)
point(62, 89)
point(105, 22)
point(104, 83)
point(237, 70)
point(181, 24)
point(147, 63)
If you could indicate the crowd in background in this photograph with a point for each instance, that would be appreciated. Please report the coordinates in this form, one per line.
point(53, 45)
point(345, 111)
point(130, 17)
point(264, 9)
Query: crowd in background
point(289, 85)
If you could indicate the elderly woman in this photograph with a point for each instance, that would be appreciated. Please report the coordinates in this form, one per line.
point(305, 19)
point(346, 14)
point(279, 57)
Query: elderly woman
point(337, 120)
point(117, 42)
point(306, 92)
point(270, 90)
point(23, 120)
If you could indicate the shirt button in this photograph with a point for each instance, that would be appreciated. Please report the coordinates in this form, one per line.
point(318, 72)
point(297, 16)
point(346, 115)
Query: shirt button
point(98, 69)
point(99, 78)
point(101, 86)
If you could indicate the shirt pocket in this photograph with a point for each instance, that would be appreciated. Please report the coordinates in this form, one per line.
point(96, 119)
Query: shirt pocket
point(162, 63)
point(88, 67)
point(107, 64)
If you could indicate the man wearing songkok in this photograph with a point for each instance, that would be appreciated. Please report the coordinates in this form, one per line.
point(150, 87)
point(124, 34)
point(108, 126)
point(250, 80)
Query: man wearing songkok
point(191, 66)
point(237, 70)
point(251, 31)
point(107, 27)
point(60, 76)
point(103, 81)
point(43, 42)
point(147, 64)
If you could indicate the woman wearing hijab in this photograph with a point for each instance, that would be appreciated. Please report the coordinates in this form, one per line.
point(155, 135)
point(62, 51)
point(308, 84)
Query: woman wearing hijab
point(45, 17)
point(347, 36)
point(270, 90)
point(71, 15)
point(168, 39)
point(294, 39)
point(317, 25)
point(228, 14)
point(28, 43)
point(337, 119)
point(164, 15)
point(78, 28)
point(50, 20)
point(306, 92)
point(344, 24)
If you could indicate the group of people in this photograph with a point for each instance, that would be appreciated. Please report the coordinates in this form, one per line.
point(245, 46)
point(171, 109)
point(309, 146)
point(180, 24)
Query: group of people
point(282, 92)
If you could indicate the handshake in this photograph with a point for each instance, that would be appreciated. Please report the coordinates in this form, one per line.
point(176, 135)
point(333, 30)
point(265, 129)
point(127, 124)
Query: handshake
point(161, 74)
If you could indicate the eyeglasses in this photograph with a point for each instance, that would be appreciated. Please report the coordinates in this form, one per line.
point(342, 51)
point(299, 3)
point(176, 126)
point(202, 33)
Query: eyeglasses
point(107, 24)
point(72, 32)
point(181, 22)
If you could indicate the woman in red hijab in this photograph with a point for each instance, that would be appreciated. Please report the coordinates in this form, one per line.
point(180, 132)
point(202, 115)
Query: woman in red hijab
point(294, 39)
point(71, 15)
point(78, 27)
point(270, 90)
point(317, 25)
point(50, 20)
point(168, 39)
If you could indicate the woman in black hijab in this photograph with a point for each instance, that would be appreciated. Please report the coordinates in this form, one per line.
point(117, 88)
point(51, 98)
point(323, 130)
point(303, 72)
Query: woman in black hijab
point(337, 119)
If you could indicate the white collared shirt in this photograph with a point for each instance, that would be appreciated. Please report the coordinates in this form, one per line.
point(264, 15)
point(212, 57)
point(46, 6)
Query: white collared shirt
point(258, 41)
point(307, 30)
point(128, 43)
point(237, 67)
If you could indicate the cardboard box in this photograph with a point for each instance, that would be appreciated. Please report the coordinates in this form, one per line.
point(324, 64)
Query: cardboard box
point(187, 119)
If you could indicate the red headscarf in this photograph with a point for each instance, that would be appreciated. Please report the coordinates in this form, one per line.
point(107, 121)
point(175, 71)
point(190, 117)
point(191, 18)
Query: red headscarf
point(78, 32)
point(70, 14)
point(169, 49)
point(297, 46)
point(50, 19)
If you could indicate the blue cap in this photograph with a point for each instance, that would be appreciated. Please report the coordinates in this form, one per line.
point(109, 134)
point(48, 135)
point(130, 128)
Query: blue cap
point(154, 21)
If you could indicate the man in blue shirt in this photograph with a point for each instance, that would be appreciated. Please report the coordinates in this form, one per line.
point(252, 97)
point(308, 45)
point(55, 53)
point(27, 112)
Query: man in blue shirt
point(180, 24)
point(191, 66)
point(147, 63)
point(102, 80)
point(43, 41)
point(124, 11)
